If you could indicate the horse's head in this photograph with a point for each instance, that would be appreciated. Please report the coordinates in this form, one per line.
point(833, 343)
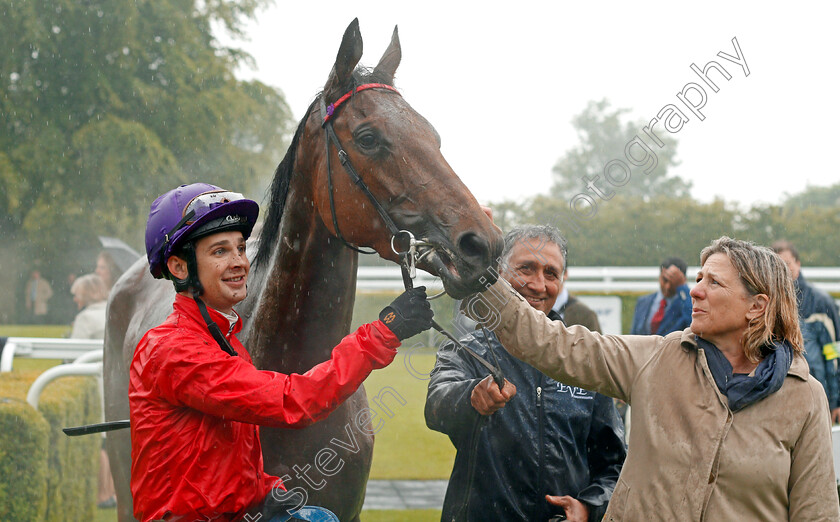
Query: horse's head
point(396, 152)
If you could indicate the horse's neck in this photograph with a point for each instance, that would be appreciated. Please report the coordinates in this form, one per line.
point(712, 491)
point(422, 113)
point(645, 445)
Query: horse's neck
point(306, 301)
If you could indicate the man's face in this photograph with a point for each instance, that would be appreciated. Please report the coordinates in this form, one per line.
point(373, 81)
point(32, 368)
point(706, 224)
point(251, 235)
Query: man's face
point(223, 269)
point(667, 283)
point(535, 269)
point(793, 265)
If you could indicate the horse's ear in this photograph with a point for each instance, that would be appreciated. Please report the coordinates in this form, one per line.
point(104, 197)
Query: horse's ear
point(348, 57)
point(390, 60)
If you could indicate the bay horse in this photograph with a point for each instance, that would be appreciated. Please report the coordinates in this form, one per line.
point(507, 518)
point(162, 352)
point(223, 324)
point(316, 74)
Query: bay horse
point(302, 286)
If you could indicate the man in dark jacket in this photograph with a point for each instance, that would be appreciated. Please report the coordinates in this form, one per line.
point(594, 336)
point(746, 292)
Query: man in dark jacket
point(537, 447)
point(669, 309)
point(572, 310)
point(815, 306)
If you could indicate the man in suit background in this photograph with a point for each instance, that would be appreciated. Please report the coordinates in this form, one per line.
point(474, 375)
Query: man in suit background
point(669, 309)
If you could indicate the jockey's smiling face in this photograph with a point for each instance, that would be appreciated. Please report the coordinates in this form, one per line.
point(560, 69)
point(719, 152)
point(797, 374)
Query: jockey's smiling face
point(223, 269)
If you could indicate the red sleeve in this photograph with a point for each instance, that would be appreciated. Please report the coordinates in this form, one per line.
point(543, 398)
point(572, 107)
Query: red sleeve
point(203, 377)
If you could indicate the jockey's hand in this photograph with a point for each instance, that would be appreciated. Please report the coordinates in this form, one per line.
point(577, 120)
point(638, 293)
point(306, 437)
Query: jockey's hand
point(486, 397)
point(409, 314)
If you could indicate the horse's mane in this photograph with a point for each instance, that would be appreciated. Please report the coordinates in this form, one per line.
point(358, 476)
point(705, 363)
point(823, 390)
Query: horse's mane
point(283, 174)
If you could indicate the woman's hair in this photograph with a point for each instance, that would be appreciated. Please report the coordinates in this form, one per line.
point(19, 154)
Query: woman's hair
point(762, 271)
point(90, 289)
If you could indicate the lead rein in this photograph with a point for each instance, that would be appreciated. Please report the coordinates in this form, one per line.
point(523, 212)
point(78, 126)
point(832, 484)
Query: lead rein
point(495, 371)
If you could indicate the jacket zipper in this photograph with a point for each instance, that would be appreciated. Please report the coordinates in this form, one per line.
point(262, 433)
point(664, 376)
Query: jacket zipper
point(540, 447)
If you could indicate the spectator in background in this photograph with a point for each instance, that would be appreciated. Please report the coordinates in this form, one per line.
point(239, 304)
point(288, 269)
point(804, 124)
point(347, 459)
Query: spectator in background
point(669, 309)
point(822, 359)
point(90, 295)
point(537, 447)
point(107, 269)
point(815, 306)
point(38, 293)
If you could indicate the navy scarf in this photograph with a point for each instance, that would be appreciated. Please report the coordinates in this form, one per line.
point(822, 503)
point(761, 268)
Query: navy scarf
point(743, 390)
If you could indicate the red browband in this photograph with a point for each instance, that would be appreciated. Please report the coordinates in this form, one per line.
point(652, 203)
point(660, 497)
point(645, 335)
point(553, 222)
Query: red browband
point(333, 106)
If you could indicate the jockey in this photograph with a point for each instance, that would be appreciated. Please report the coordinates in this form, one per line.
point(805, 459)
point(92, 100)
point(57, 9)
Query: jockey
point(196, 398)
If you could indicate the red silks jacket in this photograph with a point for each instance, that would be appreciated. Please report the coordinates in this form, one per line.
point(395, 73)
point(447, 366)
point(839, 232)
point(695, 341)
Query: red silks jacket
point(195, 446)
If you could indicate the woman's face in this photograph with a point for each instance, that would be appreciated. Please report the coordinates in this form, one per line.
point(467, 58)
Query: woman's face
point(78, 300)
point(102, 270)
point(720, 303)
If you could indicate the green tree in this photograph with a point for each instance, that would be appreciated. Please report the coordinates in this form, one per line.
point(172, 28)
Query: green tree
point(814, 196)
point(104, 104)
point(604, 137)
point(812, 230)
point(633, 232)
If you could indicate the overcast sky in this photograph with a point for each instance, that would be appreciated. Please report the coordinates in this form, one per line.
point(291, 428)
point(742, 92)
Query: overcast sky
point(502, 81)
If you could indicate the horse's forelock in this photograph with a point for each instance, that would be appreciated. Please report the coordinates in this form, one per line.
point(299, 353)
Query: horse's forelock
point(363, 75)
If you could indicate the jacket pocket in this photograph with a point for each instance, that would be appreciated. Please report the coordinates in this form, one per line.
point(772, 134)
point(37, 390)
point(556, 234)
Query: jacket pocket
point(618, 502)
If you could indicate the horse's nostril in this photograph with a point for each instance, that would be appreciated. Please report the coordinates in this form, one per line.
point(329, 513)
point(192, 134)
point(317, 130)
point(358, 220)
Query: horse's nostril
point(473, 246)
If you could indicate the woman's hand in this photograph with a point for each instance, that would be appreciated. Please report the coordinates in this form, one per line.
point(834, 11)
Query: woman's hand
point(489, 213)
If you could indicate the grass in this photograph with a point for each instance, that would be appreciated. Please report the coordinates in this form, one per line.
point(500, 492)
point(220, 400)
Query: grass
point(405, 448)
point(34, 330)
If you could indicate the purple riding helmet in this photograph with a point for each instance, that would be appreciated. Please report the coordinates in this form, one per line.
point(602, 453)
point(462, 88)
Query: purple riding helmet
point(190, 212)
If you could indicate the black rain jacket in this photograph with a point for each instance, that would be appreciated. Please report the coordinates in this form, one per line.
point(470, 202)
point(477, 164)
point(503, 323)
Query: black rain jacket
point(549, 439)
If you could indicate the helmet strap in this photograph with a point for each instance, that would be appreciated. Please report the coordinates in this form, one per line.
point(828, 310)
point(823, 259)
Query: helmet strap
point(192, 282)
point(213, 327)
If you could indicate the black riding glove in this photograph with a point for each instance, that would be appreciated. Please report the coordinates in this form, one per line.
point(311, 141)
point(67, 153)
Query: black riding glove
point(409, 314)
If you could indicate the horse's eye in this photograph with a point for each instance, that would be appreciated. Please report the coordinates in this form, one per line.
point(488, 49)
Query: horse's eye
point(367, 141)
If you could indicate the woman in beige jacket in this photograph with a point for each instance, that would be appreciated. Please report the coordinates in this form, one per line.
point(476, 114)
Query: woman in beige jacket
point(727, 422)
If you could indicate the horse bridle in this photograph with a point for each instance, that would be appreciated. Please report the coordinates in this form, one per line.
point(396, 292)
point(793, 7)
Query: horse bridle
point(408, 255)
